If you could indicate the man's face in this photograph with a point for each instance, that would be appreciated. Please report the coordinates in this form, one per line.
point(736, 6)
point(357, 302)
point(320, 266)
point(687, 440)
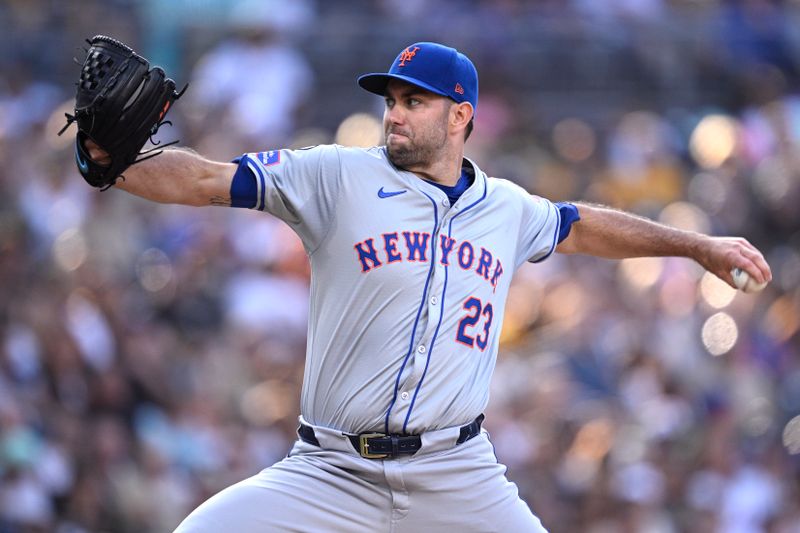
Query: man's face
point(415, 124)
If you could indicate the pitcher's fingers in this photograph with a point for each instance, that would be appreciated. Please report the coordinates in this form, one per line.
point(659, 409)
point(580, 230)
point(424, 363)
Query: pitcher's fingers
point(764, 272)
point(95, 152)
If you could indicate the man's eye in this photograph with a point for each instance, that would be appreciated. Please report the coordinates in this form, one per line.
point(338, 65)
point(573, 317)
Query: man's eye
point(389, 102)
point(413, 102)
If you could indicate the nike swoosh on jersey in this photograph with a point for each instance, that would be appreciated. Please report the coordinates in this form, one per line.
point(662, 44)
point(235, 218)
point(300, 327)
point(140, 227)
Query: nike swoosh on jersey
point(384, 194)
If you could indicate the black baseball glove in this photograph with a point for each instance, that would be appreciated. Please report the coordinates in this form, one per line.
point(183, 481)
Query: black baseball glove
point(120, 103)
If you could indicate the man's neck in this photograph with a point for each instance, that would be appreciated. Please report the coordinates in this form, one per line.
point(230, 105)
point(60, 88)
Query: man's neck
point(445, 170)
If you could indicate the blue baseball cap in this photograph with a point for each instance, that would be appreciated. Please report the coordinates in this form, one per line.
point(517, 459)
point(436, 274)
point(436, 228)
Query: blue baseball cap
point(432, 66)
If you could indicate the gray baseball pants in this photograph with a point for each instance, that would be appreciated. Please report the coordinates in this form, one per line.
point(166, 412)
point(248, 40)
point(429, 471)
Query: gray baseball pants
point(443, 487)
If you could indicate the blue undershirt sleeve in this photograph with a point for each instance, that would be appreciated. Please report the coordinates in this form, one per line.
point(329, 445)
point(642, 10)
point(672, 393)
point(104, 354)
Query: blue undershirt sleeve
point(569, 215)
point(243, 186)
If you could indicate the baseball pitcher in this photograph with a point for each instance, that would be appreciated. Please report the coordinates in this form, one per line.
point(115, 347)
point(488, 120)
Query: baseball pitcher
point(412, 249)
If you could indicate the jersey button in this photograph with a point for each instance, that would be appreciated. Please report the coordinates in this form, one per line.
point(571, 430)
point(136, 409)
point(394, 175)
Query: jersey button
point(434, 300)
point(421, 348)
point(445, 202)
point(404, 395)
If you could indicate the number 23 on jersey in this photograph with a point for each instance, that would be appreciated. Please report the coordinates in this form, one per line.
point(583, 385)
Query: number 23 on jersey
point(476, 312)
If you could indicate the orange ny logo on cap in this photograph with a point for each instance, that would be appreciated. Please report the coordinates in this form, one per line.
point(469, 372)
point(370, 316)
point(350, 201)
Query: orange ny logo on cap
point(407, 55)
point(459, 88)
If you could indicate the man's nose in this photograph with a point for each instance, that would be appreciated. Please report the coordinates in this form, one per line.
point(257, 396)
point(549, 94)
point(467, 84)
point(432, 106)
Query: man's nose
point(395, 115)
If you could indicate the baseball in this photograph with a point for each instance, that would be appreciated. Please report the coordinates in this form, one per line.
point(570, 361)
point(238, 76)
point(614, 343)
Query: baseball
point(744, 282)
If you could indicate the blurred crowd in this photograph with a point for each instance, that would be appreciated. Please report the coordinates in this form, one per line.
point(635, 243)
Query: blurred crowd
point(151, 355)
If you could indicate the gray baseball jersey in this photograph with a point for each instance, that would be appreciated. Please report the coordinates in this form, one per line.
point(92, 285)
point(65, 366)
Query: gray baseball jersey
point(407, 291)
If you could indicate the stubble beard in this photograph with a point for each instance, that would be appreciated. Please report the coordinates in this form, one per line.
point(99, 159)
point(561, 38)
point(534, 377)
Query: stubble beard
point(421, 149)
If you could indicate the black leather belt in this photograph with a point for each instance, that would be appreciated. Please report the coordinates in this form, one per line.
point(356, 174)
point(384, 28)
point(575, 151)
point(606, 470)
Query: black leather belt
point(383, 446)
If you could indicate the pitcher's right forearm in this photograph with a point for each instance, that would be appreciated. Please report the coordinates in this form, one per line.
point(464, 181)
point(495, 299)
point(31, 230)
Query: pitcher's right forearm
point(180, 176)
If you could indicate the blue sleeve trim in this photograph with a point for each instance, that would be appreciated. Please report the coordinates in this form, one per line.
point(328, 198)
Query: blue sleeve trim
point(248, 186)
point(244, 192)
point(569, 215)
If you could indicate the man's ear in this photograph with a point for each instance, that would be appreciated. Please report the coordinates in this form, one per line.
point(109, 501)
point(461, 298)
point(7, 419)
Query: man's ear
point(461, 114)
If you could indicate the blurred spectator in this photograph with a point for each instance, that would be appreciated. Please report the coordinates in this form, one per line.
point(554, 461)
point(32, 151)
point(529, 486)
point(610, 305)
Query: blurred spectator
point(253, 85)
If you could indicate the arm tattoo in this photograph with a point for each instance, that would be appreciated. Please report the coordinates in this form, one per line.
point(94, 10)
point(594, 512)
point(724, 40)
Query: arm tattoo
point(220, 200)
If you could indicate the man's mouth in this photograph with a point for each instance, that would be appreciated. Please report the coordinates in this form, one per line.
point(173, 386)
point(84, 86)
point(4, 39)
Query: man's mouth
point(397, 133)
